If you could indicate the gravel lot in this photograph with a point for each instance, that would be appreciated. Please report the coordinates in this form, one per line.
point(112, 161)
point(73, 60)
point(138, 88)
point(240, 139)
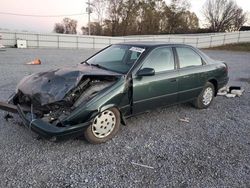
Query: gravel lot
point(213, 150)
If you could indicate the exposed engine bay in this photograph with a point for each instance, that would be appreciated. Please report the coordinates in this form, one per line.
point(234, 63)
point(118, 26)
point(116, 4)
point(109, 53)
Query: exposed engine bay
point(53, 95)
point(51, 112)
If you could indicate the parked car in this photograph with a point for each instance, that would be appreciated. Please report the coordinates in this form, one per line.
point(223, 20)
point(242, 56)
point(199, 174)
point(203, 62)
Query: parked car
point(120, 81)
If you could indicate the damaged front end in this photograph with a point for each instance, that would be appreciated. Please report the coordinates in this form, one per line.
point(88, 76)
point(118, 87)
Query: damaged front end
point(45, 100)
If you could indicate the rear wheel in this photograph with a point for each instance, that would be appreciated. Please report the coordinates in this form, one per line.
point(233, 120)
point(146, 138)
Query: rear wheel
point(206, 96)
point(104, 126)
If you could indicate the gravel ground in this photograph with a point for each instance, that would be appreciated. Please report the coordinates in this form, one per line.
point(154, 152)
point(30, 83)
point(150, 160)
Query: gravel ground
point(213, 150)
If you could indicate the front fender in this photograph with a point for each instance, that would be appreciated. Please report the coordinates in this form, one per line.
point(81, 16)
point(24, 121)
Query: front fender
point(112, 97)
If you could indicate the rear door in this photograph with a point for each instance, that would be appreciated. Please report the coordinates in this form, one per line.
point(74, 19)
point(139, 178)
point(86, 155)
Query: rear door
point(159, 89)
point(192, 75)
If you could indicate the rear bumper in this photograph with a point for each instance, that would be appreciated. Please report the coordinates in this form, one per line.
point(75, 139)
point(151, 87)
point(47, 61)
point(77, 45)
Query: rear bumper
point(43, 128)
point(223, 83)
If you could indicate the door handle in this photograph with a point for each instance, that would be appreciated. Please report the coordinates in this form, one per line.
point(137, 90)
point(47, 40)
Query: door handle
point(173, 80)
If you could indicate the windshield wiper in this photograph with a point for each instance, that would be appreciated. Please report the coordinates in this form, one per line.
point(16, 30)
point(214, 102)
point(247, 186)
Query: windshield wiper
point(85, 62)
point(99, 66)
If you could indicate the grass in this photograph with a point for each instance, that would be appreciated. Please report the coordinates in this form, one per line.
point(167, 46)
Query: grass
point(233, 47)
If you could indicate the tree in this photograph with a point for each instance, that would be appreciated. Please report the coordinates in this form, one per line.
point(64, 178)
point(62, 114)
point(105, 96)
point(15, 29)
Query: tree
point(96, 28)
point(68, 26)
point(239, 20)
point(178, 17)
point(58, 28)
point(84, 30)
point(149, 17)
point(107, 27)
point(113, 12)
point(100, 7)
point(223, 15)
point(190, 22)
point(130, 17)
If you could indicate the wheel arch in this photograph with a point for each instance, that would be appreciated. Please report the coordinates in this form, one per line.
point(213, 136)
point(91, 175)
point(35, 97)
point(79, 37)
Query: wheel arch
point(215, 84)
point(103, 108)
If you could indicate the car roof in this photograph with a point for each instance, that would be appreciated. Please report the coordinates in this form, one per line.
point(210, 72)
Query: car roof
point(154, 44)
point(151, 43)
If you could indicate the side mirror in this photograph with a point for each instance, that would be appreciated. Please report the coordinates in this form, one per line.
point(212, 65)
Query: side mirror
point(146, 72)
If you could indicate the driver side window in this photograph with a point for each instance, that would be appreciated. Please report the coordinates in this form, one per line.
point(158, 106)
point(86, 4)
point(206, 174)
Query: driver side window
point(160, 59)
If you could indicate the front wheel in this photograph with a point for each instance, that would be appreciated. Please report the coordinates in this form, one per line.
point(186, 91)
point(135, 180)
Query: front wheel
point(206, 96)
point(104, 126)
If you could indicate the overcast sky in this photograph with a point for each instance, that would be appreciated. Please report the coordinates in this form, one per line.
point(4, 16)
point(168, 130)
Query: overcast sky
point(62, 7)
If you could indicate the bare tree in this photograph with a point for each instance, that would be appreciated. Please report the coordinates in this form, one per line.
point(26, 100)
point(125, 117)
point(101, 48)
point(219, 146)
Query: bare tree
point(128, 15)
point(223, 15)
point(59, 28)
point(239, 20)
point(100, 7)
point(190, 21)
point(177, 17)
point(84, 30)
point(68, 26)
point(114, 12)
point(131, 17)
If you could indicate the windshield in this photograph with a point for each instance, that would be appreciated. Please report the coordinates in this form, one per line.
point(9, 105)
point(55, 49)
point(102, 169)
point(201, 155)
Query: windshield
point(117, 58)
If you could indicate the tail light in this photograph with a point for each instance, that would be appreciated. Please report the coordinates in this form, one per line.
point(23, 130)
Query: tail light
point(226, 67)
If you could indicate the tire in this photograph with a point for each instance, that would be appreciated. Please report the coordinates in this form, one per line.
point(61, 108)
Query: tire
point(104, 126)
point(206, 97)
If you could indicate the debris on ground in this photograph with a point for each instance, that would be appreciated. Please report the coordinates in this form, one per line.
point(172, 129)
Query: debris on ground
point(237, 92)
point(2, 47)
point(142, 165)
point(234, 88)
point(231, 91)
point(223, 91)
point(35, 62)
point(186, 119)
point(7, 116)
point(230, 95)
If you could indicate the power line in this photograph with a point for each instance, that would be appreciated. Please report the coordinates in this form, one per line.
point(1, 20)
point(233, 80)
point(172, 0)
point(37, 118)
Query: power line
point(30, 15)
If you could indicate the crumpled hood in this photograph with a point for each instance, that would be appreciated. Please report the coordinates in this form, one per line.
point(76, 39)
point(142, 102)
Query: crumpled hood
point(51, 86)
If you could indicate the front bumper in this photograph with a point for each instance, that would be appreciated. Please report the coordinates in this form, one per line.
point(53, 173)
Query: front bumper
point(223, 82)
point(41, 127)
point(48, 130)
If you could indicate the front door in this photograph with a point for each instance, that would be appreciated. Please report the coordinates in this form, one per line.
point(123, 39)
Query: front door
point(159, 89)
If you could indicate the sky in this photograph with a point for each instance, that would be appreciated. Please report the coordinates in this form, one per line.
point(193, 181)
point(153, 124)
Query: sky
point(64, 7)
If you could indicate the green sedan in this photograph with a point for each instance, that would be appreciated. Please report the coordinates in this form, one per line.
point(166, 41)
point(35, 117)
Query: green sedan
point(95, 97)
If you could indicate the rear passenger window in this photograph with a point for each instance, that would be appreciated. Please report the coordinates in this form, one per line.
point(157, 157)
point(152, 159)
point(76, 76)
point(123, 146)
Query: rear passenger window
point(187, 57)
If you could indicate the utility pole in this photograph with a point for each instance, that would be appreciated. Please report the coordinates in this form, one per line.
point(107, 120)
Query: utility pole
point(89, 11)
point(89, 16)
